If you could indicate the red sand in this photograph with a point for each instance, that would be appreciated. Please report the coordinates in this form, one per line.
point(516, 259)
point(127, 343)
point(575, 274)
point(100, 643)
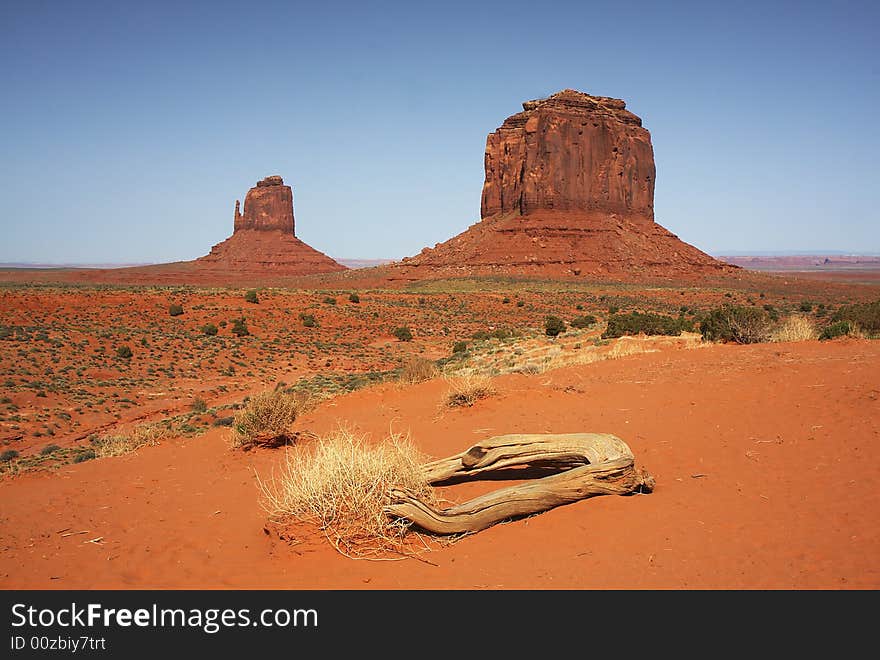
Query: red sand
point(766, 458)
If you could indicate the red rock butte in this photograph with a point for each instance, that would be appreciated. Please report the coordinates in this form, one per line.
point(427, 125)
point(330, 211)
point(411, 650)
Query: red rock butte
point(263, 238)
point(569, 190)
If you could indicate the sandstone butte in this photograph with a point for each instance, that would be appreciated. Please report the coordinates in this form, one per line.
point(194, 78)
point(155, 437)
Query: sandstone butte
point(569, 190)
point(263, 238)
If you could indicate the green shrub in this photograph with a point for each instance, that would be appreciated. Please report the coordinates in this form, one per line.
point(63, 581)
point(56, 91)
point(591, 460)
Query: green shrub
point(403, 333)
point(239, 328)
point(743, 325)
point(49, 449)
point(520, 303)
point(175, 310)
point(209, 329)
point(864, 315)
point(553, 326)
point(199, 405)
point(806, 306)
point(123, 352)
point(251, 297)
point(506, 300)
point(223, 421)
point(308, 320)
point(85, 455)
point(459, 347)
point(836, 329)
point(583, 321)
point(353, 297)
point(8, 455)
point(644, 323)
point(330, 300)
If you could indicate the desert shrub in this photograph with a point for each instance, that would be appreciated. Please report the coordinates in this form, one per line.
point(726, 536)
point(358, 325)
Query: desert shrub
point(119, 444)
point(175, 310)
point(209, 329)
point(223, 421)
point(806, 306)
point(553, 326)
point(467, 390)
point(583, 321)
point(308, 320)
point(459, 347)
point(403, 333)
point(49, 449)
point(644, 323)
point(353, 297)
point(265, 420)
point(251, 297)
point(330, 300)
point(795, 328)
point(85, 455)
point(416, 369)
point(837, 329)
point(864, 315)
point(520, 303)
point(505, 301)
point(123, 352)
point(613, 309)
point(198, 405)
point(8, 455)
point(239, 328)
point(743, 325)
point(342, 484)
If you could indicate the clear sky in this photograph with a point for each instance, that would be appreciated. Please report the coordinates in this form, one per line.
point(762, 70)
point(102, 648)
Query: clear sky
point(129, 129)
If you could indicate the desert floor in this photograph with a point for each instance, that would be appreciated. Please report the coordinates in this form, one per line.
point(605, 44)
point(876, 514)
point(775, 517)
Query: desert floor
point(766, 458)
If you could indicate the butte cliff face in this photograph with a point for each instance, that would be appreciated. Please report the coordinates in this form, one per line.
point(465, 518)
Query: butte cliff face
point(263, 239)
point(569, 190)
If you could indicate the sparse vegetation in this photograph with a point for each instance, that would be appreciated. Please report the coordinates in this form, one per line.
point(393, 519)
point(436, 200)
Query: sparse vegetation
point(459, 347)
point(209, 329)
point(308, 320)
point(743, 325)
point(239, 328)
point(553, 326)
point(354, 298)
point(584, 321)
point(175, 310)
point(865, 316)
point(342, 484)
point(265, 420)
point(637, 323)
point(403, 333)
point(467, 390)
point(124, 352)
point(251, 297)
point(795, 328)
point(837, 329)
point(416, 369)
point(123, 443)
point(8, 455)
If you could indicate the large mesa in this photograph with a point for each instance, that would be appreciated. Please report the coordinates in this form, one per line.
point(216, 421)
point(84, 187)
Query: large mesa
point(568, 190)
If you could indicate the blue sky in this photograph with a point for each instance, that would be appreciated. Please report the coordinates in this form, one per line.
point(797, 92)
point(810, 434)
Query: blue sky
point(130, 129)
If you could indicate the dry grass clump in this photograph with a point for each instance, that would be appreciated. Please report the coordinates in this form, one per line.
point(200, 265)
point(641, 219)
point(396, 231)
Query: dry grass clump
point(341, 483)
point(417, 369)
point(266, 419)
point(140, 436)
point(467, 390)
point(795, 328)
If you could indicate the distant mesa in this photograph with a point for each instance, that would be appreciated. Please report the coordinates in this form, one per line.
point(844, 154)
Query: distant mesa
point(263, 238)
point(569, 190)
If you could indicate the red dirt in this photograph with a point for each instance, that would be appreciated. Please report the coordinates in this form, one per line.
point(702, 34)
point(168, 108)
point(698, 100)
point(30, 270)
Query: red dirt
point(766, 458)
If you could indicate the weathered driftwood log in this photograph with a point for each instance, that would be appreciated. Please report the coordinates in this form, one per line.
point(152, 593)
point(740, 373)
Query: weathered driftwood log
point(587, 464)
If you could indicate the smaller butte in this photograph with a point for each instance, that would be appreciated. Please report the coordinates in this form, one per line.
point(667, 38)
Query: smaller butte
point(263, 240)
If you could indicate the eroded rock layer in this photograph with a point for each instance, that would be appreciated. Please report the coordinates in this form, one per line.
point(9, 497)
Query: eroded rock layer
point(569, 190)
